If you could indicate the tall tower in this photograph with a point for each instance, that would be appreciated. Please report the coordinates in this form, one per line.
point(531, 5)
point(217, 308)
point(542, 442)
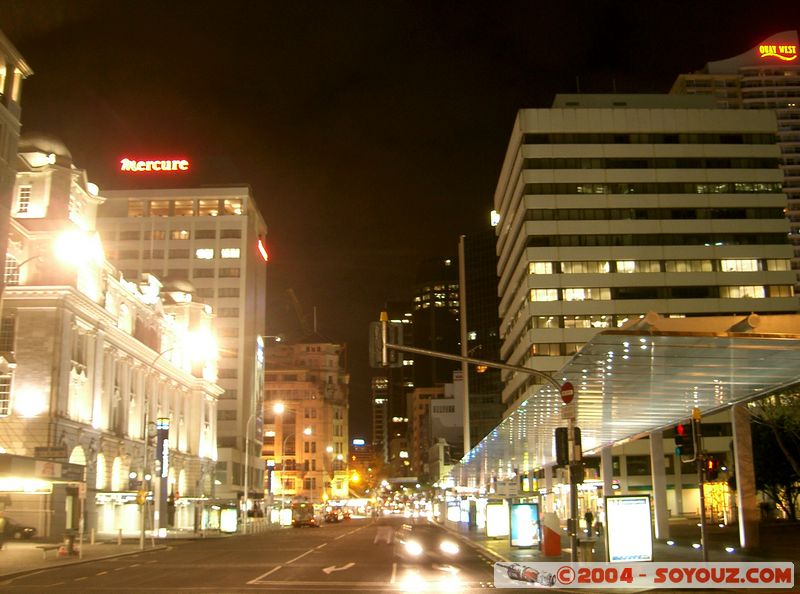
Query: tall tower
point(483, 333)
point(764, 77)
point(612, 206)
point(212, 238)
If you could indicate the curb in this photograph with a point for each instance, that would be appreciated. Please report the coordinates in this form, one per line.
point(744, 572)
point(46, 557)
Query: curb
point(4, 578)
point(497, 557)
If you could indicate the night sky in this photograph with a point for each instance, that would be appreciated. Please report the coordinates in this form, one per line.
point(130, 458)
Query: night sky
point(372, 133)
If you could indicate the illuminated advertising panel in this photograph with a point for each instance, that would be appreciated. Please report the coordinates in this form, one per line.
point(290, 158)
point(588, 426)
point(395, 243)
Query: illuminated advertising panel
point(525, 525)
point(629, 529)
point(453, 511)
point(497, 519)
point(786, 52)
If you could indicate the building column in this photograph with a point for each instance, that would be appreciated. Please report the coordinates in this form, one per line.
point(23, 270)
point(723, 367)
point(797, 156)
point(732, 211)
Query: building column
point(548, 485)
point(607, 471)
point(659, 482)
point(745, 477)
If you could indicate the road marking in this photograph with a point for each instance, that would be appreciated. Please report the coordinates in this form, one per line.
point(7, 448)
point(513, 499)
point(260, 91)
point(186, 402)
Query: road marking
point(81, 578)
point(324, 544)
point(299, 556)
point(329, 570)
point(255, 581)
point(120, 568)
point(101, 573)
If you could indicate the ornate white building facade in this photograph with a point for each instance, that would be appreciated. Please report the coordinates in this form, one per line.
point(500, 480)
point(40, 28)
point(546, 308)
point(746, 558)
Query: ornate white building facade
point(90, 361)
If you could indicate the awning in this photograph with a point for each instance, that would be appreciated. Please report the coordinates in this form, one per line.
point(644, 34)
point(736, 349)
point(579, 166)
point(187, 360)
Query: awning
point(645, 376)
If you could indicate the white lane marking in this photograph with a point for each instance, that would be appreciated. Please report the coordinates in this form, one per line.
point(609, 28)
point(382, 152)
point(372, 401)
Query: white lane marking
point(101, 573)
point(255, 581)
point(81, 578)
point(299, 556)
point(331, 568)
point(324, 544)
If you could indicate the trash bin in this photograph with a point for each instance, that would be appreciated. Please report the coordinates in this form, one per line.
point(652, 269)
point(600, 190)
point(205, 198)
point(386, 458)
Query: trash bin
point(68, 545)
point(585, 548)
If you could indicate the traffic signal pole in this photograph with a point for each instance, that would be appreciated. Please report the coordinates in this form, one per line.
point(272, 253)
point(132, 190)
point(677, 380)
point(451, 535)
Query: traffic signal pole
point(700, 461)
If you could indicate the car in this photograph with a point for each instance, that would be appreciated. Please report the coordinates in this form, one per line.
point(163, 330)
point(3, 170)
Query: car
point(334, 515)
point(13, 529)
point(425, 543)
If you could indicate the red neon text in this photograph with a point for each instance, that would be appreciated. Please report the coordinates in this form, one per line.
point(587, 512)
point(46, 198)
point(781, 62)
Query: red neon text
point(158, 165)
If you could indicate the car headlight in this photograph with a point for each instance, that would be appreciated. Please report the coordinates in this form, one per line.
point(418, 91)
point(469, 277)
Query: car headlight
point(413, 548)
point(449, 547)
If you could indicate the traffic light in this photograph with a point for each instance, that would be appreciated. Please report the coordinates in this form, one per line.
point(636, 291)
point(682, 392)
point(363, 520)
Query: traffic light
point(684, 439)
point(712, 469)
point(562, 446)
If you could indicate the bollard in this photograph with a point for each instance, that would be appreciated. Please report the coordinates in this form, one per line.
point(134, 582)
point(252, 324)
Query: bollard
point(91, 536)
point(119, 537)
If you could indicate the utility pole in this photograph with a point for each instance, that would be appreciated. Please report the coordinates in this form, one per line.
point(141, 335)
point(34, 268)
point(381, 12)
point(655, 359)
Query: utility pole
point(700, 461)
point(462, 284)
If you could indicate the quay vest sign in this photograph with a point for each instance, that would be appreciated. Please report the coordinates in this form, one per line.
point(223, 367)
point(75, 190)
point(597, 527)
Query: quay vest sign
point(127, 165)
point(784, 52)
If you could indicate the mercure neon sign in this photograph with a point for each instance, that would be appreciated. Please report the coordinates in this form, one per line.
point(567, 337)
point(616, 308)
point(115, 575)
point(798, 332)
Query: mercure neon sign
point(787, 53)
point(139, 166)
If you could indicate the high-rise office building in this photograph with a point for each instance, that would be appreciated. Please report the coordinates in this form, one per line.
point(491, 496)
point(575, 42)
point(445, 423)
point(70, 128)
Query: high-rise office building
point(13, 70)
point(612, 206)
point(435, 318)
point(214, 238)
point(483, 333)
point(766, 76)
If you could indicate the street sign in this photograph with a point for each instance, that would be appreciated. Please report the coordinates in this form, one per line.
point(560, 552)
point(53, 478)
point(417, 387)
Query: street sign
point(567, 392)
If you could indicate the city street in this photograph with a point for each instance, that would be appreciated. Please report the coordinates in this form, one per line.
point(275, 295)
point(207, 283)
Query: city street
point(338, 557)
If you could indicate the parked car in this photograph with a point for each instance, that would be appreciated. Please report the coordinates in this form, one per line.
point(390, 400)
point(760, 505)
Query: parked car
point(334, 515)
point(13, 529)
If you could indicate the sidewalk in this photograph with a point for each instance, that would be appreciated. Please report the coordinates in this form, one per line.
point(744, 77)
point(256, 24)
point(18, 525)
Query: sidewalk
point(778, 543)
point(19, 557)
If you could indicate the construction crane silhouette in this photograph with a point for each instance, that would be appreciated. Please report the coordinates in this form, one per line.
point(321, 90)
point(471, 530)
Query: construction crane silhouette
point(305, 327)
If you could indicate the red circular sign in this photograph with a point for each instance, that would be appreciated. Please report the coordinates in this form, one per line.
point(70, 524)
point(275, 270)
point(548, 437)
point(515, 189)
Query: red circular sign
point(567, 392)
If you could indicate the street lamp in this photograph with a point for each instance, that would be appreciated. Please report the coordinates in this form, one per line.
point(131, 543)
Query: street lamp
point(247, 471)
point(200, 345)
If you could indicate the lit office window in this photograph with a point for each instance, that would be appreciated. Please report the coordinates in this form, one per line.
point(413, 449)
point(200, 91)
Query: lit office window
point(626, 266)
point(688, 266)
point(544, 294)
point(208, 208)
point(591, 267)
point(159, 208)
point(540, 268)
point(750, 265)
point(587, 294)
point(179, 234)
point(743, 291)
point(204, 253)
point(779, 265)
point(230, 253)
point(184, 208)
point(136, 208)
point(232, 206)
point(781, 291)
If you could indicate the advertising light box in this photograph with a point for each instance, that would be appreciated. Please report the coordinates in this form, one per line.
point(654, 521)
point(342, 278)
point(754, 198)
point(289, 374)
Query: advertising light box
point(629, 529)
point(497, 520)
point(525, 525)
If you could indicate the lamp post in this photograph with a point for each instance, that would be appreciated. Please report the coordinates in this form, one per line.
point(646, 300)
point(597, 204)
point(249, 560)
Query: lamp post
point(246, 471)
point(198, 344)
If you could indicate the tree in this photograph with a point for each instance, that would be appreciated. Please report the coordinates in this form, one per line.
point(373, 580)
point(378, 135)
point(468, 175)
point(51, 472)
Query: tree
point(774, 448)
point(780, 412)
